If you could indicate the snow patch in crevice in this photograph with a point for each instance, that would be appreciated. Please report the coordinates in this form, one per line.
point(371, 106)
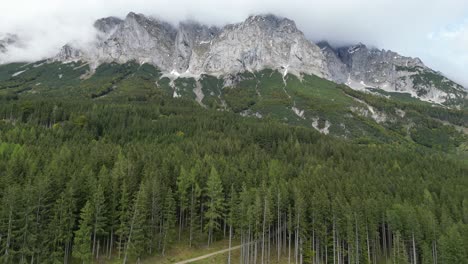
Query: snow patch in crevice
point(80, 66)
point(60, 76)
point(39, 64)
point(357, 85)
point(18, 73)
point(174, 74)
point(143, 62)
point(285, 77)
point(285, 73)
point(205, 42)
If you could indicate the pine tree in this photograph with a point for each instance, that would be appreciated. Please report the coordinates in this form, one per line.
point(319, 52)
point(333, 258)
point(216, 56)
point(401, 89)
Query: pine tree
point(99, 212)
point(82, 241)
point(124, 214)
point(214, 210)
point(156, 198)
point(61, 227)
point(183, 184)
point(137, 237)
point(195, 193)
point(27, 221)
point(169, 219)
point(232, 217)
point(399, 254)
point(452, 249)
point(7, 214)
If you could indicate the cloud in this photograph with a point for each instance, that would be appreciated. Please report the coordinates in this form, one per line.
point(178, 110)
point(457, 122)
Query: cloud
point(452, 44)
point(401, 25)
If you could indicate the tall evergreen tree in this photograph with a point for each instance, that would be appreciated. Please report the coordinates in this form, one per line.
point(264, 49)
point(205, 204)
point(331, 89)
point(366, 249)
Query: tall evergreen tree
point(169, 220)
point(99, 216)
point(82, 241)
point(214, 205)
point(124, 214)
point(452, 247)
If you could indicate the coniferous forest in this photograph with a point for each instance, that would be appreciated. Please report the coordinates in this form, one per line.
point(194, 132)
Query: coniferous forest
point(89, 181)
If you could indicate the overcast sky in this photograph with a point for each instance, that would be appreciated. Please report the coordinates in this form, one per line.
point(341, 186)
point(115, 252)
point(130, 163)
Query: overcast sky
point(434, 30)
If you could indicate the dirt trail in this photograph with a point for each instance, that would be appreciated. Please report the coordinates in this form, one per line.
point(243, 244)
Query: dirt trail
point(207, 255)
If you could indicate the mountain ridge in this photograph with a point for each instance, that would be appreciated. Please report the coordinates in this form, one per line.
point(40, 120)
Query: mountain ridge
point(259, 42)
point(199, 49)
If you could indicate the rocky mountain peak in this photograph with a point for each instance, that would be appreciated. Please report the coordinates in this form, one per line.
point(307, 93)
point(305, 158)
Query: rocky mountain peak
point(107, 25)
point(265, 41)
point(69, 53)
point(361, 67)
point(151, 25)
point(271, 21)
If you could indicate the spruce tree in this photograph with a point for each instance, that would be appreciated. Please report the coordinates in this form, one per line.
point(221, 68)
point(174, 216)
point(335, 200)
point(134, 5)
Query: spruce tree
point(138, 230)
point(183, 184)
point(99, 215)
point(214, 205)
point(452, 248)
point(124, 215)
point(169, 220)
point(82, 241)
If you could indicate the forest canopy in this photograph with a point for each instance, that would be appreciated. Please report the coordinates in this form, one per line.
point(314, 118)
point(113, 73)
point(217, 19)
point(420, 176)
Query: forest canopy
point(89, 180)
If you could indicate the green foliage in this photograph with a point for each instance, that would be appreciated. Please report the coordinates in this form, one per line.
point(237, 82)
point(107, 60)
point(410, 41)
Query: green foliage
point(215, 204)
point(82, 239)
point(453, 248)
point(169, 221)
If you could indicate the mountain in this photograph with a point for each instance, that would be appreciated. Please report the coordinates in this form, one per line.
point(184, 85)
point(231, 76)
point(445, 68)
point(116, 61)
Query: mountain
point(361, 67)
point(259, 42)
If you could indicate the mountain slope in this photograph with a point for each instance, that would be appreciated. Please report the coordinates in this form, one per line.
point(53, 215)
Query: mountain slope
point(311, 101)
point(361, 67)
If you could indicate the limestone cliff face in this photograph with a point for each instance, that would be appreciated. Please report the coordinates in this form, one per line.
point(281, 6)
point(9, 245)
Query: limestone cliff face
point(361, 67)
point(257, 43)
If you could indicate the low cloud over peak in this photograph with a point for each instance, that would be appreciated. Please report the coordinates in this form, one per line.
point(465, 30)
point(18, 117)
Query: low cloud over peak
point(436, 31)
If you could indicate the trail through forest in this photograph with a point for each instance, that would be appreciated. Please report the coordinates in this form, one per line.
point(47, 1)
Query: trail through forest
point(208, 255)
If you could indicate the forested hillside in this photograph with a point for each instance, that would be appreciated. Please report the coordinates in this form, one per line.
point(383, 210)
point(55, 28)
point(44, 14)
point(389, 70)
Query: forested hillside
point(84, 180)
point(309, 101)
